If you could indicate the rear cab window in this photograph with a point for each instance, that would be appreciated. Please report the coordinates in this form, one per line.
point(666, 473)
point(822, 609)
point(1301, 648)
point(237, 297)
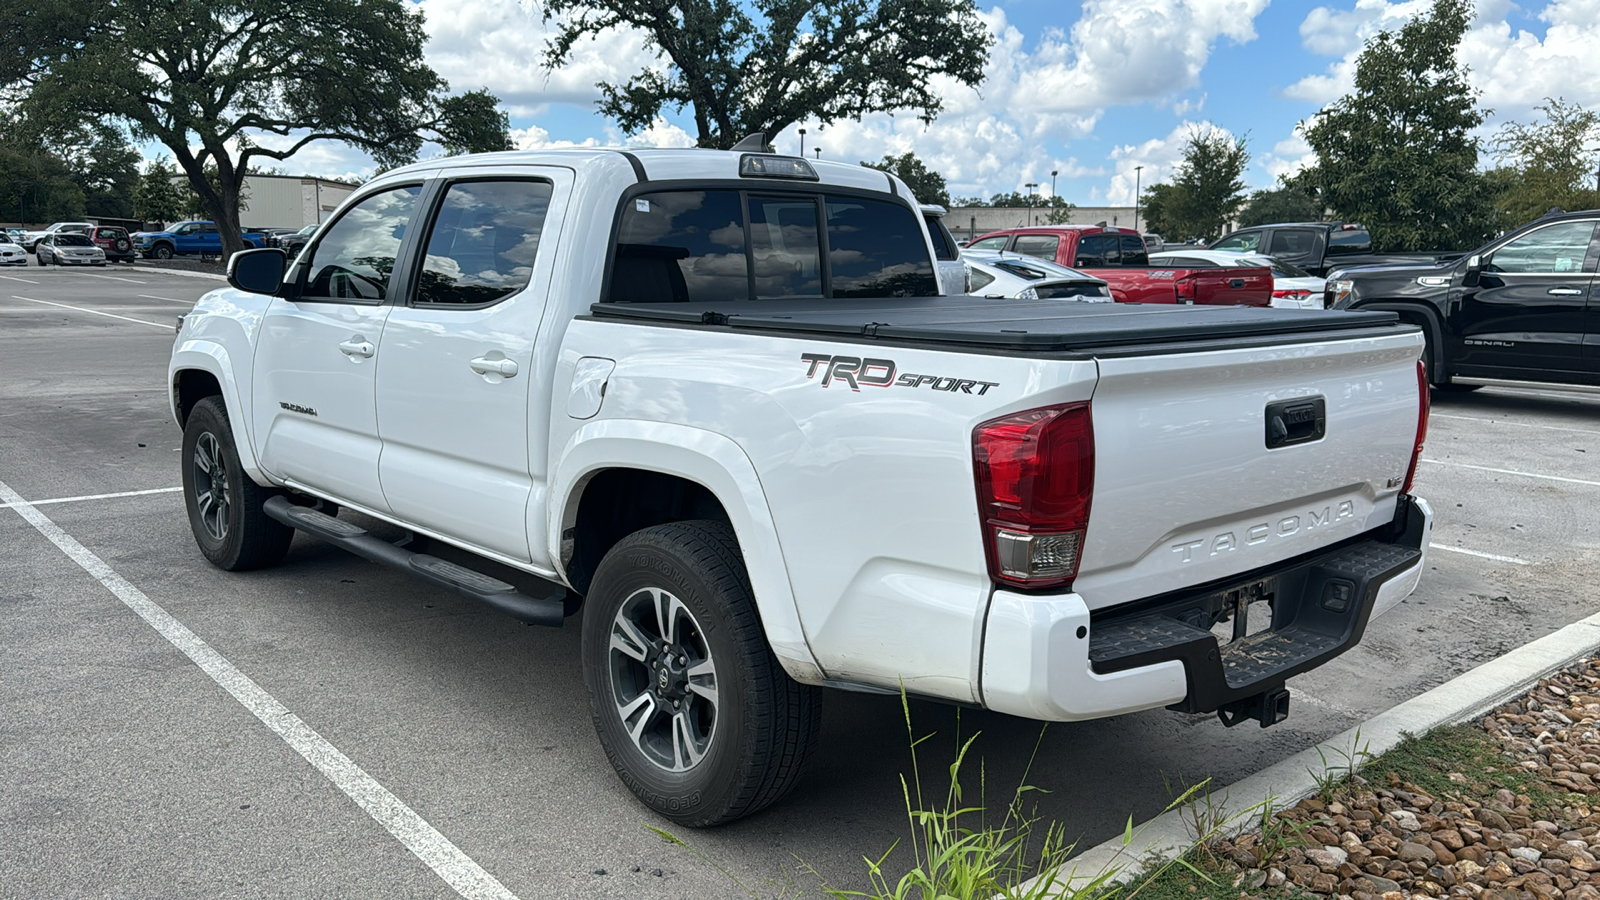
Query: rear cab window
point(720, 245)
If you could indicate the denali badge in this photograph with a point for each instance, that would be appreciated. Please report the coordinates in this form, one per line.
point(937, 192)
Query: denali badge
point(1262, 532)
point(857, 371)
point(294, 407)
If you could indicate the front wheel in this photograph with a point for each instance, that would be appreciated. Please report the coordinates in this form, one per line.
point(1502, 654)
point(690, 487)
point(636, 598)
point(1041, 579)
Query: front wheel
point(695, 713)
point(161, 251)
point(225, 506)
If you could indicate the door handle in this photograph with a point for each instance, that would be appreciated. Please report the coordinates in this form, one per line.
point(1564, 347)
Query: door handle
point(1565, 292)
point(505, 368)
point(356, 347)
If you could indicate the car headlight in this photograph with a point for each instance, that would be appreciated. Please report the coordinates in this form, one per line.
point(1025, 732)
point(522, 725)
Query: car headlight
point(1027, 293)
point(1339, 292)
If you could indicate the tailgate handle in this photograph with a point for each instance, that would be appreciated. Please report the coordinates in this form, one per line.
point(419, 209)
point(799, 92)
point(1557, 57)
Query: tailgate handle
point(1236, 283)
point(1296, 421)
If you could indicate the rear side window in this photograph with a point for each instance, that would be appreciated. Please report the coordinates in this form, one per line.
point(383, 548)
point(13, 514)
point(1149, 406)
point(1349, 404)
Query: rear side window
point(677, 246)
point(483, 243)
point(1293, 242)
point(980, 279)
point(1344, 243)
point(1042, 246)
point(1133, 251)
point(875, 249)
point(1098, 251)
point(944, 243)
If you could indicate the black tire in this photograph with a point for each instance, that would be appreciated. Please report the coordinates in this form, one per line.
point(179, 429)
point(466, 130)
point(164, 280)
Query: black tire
point(232, 531)
point(763, 725)
point(161, 251)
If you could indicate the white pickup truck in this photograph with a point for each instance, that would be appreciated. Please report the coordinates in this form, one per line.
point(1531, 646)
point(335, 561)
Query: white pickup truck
point(714, 400)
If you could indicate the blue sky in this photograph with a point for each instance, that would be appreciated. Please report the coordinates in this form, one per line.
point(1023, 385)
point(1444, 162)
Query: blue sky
point(1091, 89)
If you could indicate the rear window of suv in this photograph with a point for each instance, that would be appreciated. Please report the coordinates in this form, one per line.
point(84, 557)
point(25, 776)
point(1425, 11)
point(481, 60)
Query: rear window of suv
point(709, 246)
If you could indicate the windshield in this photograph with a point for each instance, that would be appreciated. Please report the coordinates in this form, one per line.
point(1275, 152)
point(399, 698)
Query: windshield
point(1278, 266)
point(4, 238)
point(73, 240)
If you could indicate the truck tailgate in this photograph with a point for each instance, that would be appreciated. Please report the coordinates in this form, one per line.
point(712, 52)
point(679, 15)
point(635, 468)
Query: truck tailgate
point(1242, 285)
point(1192, 484)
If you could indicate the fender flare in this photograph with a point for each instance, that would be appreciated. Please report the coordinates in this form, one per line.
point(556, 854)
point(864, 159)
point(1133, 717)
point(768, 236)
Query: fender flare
point(213, 359)
point(716, 463)
point(1431, 324)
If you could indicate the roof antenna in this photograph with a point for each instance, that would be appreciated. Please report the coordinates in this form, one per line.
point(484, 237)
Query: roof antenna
point(753, 143)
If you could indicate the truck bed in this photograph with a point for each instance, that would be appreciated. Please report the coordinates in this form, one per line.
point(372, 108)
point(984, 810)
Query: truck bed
point(1053, 326)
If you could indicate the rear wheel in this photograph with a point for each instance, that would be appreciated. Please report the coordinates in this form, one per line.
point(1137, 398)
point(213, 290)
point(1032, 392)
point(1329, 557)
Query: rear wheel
point(225, 506)
point(695, 713)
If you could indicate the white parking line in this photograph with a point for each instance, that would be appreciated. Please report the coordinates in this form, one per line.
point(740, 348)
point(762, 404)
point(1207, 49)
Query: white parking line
point(113, 278)
point(168, 490)
point(1440, 462)
point(168, 299)
point(1480, 554)
point(1518, 424)
point(447, 861)
point(94, 312)
point(15, 278)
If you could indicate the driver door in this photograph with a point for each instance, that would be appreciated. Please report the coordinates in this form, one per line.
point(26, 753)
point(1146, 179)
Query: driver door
point(1526, 311)
point(315, 404)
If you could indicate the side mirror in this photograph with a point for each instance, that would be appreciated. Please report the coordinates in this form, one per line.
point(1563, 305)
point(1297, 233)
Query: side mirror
point(258, 271)
point(1474, 267)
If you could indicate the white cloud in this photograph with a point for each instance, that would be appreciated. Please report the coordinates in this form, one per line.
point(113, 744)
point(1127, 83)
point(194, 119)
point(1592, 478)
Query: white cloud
point(1514, 69)
point(1158, 157)
point(1288, 156)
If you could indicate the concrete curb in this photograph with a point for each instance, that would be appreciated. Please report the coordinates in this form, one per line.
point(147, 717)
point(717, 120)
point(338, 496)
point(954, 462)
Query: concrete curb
point(182, 272)
point(1462, 698)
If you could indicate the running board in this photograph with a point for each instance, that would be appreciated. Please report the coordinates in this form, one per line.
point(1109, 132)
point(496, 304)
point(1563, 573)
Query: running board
point(466, 582)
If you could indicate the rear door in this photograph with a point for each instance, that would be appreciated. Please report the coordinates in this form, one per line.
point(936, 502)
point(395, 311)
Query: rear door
point(457, 367)
point(1527, 311)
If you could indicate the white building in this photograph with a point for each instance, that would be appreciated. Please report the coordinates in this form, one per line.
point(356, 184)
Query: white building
point(967, 222)
point(290, 201)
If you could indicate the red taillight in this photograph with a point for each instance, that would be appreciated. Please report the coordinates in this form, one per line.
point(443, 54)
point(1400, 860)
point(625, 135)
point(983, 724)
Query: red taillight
point(1422, 426)
point(1292, 295)
point(1035, 473)
point(1186, 288)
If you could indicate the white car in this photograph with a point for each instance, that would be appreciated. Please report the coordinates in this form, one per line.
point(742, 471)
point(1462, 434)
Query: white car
point(65, 248)
point(996, 274)
point(1292, 287)
point(11, 253)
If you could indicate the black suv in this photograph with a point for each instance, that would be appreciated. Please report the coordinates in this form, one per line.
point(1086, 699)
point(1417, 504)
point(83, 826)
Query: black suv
point(1517, 308)
point(1319, 247)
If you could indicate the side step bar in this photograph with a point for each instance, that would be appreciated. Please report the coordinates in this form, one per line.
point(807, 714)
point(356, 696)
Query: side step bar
point(472, 585)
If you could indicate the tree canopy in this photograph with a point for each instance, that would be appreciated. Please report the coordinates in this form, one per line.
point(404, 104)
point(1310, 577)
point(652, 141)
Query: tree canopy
point(926, 185)
point(1398, 154)
point(230, 83)
point(1285, 203)
point(761, 67)
point(1545, 165)
point(1206, 191)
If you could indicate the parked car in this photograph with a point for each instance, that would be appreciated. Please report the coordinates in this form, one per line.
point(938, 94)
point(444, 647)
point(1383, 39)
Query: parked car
point(30, 241)
point(11, 252)
point(114, 242)
point(1118, 256)
point(754, 476)
point(68, 248)
point(197, 238)
point(292, 244)
point(1292, 288)
point(1154, 243)
point(271, 236)
point(1522, 307)
point(1319, 247)
point(1001, 274)
point(952, 274)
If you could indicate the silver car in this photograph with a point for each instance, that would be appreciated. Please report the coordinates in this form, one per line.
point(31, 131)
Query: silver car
point(11, 253)
point(69, 249)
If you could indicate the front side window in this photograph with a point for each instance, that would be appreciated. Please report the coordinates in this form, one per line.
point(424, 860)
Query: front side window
point(991, 243)
point(483, 243)
point(875, 249)
point(1553, 250)
point(355, 258)
point(1239, 243)
point(1042, 246)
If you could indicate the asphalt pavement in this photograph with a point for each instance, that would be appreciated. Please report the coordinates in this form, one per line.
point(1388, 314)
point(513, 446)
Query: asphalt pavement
point(127, 769)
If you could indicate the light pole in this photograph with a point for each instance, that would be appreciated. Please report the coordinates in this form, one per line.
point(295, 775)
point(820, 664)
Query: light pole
point(1030, 186)
point(1138, 174)
point(1053, 188)
point(802, 142)
point(817, 151)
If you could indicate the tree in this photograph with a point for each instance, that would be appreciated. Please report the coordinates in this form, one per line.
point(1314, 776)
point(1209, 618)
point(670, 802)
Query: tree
point(104, 166)
point(1206, 192)
point(1398, 154)
point(1018, 199)
point(926, 185)
point(761, 67)
point(35, 184)
point(1061, 214)
point(1284, 203)
point(156, 198)
point(1546, 165)
point(216, 81)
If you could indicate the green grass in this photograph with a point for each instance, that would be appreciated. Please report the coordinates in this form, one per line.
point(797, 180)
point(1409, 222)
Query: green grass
point(1428, 760)
point(1200, 879)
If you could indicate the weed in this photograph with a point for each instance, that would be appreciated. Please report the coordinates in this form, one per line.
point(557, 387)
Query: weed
point(1346, 763)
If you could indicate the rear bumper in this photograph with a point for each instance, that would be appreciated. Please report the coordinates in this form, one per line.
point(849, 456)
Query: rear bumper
point(1049, 657)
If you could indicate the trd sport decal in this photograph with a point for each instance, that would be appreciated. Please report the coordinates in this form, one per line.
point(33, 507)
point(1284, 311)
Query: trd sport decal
point(857, 371)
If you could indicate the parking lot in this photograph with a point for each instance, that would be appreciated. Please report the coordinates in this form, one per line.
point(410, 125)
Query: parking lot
point(129, 770)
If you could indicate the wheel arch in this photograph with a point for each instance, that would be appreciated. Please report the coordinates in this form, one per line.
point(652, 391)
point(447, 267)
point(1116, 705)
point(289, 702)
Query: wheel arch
point(626, 474)
point(201, 369)
point(1426, 317)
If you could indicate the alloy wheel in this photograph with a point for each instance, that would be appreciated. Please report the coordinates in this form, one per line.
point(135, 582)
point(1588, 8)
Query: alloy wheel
point(663, 679)
point(212, 496)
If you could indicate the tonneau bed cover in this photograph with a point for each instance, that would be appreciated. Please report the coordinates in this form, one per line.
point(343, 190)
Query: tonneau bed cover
point(1005, 324)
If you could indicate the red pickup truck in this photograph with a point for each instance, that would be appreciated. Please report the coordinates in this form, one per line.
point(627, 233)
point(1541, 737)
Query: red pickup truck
point(1118, 256)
